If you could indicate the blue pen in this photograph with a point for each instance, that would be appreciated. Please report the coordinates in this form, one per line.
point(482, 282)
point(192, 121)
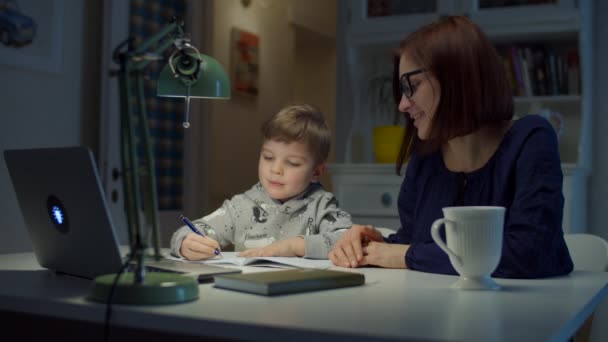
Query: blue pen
point(194, 229)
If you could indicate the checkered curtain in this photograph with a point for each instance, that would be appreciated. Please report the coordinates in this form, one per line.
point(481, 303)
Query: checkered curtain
point(165, 115)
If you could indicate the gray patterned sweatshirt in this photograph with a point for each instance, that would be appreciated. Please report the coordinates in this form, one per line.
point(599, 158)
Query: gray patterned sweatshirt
point(253, 220)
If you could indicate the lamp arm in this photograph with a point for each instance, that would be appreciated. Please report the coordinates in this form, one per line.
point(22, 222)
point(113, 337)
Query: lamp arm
point(149, 171)
point(131, 184)
point(174, 30)
point(132, 63)
point(143, 63)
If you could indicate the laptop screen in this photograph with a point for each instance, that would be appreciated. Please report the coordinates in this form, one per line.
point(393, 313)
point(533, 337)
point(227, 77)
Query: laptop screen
point(62, 203)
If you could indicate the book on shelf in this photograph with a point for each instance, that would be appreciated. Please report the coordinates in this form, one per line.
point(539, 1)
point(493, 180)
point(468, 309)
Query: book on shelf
point(510, 74)
point(288, 281)
point(517, 68)
point(554, 74)
point(573, 73)
point(525, 70)
point(540, 72)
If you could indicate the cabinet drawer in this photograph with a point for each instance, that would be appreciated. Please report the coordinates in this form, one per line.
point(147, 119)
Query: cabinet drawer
point(369, 199)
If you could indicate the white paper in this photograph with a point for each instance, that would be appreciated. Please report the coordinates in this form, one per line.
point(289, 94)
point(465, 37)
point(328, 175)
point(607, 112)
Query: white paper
point(232, 259)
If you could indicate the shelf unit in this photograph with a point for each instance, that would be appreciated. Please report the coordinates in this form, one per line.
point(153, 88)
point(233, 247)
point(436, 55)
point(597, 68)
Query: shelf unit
point(365, 51)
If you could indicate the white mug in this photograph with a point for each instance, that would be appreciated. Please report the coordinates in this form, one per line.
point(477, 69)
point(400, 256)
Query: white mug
point(474, 243)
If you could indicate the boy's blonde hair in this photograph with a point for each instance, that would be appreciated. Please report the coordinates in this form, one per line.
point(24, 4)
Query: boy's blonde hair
point(302, 123)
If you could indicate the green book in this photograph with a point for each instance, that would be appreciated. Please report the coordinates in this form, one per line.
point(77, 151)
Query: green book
point(288, 281)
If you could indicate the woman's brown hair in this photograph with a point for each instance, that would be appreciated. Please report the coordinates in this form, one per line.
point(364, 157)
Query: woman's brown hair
point(474, 88)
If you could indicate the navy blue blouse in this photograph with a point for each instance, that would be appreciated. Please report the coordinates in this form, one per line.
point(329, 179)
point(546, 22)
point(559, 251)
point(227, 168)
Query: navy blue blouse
point(524, 175)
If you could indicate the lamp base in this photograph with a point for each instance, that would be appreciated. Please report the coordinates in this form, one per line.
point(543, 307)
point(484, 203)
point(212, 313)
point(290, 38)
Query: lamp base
point(158, 288)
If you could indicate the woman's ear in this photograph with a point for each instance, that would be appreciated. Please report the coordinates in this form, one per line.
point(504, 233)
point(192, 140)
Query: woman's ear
point(318, 172)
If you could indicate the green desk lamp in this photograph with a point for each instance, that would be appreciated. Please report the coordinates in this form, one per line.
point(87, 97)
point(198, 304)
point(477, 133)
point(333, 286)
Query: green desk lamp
point(187, 74)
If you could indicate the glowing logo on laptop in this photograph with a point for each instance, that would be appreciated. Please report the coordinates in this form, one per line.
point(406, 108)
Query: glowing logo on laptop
point(57, 213)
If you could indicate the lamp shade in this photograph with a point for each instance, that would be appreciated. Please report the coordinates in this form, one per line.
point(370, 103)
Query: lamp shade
point(211, 80)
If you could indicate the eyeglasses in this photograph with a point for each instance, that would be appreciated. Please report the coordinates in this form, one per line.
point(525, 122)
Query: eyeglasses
point(405, 84)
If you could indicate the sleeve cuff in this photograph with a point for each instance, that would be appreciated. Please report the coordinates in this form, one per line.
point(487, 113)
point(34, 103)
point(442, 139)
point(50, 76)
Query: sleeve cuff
point(176, 240)
point(318, 246)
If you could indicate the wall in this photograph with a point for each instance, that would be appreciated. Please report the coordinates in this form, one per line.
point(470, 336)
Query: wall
point(318, 16)
point(315, 74)
point(43, 109)
point(234, 125)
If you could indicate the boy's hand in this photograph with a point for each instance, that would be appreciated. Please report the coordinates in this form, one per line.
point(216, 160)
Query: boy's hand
point(292, 247)
point(196, 247)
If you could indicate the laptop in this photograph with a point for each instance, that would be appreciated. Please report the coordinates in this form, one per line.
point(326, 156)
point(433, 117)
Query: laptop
point(62, 202)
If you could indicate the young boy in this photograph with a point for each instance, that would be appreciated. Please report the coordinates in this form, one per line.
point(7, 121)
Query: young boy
point(287, 213)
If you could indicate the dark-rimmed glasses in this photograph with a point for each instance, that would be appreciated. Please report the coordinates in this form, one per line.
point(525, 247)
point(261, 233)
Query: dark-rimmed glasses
point(405, 84)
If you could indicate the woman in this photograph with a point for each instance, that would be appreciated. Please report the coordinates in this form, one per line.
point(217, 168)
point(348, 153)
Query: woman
point(464, 149)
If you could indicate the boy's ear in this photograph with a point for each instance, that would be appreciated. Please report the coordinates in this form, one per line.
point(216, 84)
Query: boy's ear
point(318, 172)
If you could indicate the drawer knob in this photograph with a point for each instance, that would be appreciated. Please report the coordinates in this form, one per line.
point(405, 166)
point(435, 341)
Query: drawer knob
point(386, 199)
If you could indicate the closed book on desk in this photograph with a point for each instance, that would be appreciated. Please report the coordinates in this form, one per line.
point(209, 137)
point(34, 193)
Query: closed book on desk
point(288, 281)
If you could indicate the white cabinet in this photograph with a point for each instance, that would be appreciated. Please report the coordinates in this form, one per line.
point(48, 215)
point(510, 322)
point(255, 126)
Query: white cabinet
point(369, 193)
point(368, 35)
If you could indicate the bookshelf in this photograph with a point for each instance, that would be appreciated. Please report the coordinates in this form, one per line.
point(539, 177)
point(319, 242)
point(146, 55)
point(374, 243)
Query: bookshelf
point(542, 70)
point(552, 37)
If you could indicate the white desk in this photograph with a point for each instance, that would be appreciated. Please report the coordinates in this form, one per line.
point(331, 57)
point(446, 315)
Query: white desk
point(393, 304)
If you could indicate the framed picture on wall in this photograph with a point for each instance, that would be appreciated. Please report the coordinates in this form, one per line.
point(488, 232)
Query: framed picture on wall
point(31, 34)
point(244, 62)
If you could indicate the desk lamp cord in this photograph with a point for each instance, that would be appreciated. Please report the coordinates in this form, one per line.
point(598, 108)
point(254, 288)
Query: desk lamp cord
point(106, 324)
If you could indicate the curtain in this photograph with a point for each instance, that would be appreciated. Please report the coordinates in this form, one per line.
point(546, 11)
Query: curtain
point(165, 115)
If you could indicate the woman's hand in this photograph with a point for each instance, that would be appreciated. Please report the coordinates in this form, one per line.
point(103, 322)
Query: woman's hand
point(387, 255)
point(348, 251)
point(196, 247)
point(292, 247)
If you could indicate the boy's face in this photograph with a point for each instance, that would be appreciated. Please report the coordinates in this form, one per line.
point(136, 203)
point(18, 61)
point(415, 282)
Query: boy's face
point(286, 169)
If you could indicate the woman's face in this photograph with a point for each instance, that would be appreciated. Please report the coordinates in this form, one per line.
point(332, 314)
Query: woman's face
point(420, 95)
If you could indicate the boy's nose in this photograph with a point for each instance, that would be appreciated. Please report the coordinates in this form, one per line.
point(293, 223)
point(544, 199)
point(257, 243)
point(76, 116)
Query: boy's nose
point(276, 168)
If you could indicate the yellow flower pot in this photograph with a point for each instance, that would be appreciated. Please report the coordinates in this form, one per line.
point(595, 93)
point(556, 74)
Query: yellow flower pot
point(387, 143)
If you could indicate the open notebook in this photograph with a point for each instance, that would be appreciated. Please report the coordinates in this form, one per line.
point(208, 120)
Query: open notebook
point(289, 262)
